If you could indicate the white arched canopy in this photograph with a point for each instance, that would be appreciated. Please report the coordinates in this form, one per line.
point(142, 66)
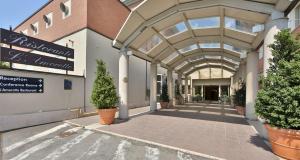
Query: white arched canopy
point(170, 31)
point(186, 35)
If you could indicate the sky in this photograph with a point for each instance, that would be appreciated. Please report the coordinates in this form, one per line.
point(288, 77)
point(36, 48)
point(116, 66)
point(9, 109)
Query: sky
point(13, 12)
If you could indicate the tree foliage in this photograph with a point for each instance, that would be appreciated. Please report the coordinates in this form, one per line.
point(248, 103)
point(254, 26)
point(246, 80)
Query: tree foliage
point(3, 65)
point(104, 95)
point(278, 101)
point(164, 96)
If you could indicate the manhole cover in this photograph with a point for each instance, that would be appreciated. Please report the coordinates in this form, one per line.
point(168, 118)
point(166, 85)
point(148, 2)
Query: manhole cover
point(66, 134)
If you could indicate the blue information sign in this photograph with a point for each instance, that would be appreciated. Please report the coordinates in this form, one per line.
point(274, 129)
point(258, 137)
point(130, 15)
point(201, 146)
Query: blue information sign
point(12, 84)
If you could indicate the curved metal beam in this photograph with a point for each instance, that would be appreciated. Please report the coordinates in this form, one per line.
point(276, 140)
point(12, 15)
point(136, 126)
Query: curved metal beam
point(209, 66)
point(203, 61)
point(243, 5)
point(180, 60)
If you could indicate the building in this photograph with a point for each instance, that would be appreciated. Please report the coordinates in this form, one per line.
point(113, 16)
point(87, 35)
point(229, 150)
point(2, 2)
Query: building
point(210, 47)
point(87, 28)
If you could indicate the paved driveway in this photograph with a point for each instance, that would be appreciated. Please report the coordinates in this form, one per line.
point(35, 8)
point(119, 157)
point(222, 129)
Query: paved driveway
point(61, 141)
point(208, 129)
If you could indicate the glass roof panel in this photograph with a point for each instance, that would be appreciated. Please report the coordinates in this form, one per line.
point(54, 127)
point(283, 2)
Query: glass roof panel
point(150, 44)
point(181, 65)
point(174, 30)
point(208, 22)
point(214, 64)
point(170, 57)
point(200, 65)
point(242, 25)
point(210, 45)
point(231, 60)
point(235, 49)
point(188, 48)
point(213, 57)
point(196, 58)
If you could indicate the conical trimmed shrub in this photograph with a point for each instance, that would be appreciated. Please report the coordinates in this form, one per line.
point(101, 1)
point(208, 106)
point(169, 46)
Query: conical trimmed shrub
point(104, 95)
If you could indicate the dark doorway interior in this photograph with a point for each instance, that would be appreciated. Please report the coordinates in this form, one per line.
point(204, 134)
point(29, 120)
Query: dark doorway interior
point(211, 93)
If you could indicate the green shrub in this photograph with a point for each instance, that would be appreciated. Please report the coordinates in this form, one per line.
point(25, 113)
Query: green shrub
point(104, 95)
point(3, 65)
point(240, 96)
point(164, 97)
point(278, 100)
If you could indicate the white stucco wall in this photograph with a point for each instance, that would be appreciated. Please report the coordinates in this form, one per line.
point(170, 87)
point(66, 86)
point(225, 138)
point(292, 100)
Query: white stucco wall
point(55, 104)
point(100, 47)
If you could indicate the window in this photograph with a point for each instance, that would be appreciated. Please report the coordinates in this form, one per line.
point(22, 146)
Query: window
point(48, 20)
point(66, 9)
point(159, 84)
point(35, 28)
point(150, 44)
point(242, 25)
point(170, 57)
point(174, 30)
point(210, 45)
point(209, 22)
point(189, 48)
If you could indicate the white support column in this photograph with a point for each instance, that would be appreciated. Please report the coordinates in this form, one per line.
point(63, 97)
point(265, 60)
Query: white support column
point(170, 87)
point(186, 88)
point(123, 85)
point(276, 23)
point(251, 84)
point(153, 88)
point(231, 86)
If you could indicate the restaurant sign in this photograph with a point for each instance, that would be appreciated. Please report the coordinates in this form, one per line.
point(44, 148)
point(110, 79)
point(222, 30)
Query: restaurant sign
point(23, 41)
point(12, 84)
point(20, 57)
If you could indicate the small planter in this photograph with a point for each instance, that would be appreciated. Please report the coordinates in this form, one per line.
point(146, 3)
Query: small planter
point(285, 142)
point(240, 110)
point(164, 104)
point(107, 116)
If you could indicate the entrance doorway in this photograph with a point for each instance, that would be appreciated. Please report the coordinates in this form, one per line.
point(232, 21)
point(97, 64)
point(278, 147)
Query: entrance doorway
point(211, 93)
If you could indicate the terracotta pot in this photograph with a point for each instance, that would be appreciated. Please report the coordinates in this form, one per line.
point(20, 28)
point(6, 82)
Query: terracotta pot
point(107, 116)
point(285, 142)
point(164, 104)
point(240, 110)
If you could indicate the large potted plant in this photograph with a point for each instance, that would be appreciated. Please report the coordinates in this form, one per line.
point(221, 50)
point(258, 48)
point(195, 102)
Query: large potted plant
point(3, 65)
point(164, 97)
point(278, 102)
point(104, 95)
point(240, 99)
